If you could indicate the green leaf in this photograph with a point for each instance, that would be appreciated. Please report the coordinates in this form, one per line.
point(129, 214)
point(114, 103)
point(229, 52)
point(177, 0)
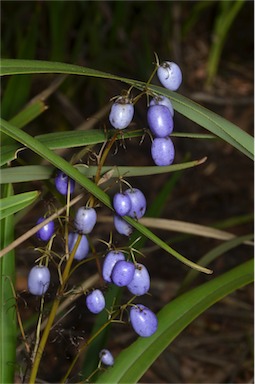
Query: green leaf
point(91, 187)
point(12, 204)
point(44, 172)
point(133, 361)
point(200, 115)
point(8, 330)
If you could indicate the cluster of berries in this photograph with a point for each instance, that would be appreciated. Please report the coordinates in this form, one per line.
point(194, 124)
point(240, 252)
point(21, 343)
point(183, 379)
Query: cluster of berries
point(159, 115)
point(117, 268)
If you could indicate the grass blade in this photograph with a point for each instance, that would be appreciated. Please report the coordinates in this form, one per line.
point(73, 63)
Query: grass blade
point(43, 172)
point(7, 300)
point(12, 204)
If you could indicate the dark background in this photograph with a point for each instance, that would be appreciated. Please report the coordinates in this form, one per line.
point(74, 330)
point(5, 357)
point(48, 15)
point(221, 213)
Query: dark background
point(120, 37)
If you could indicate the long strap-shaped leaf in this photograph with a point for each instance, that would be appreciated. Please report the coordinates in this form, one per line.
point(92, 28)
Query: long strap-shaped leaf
point(195, 112)
point(91, 187)
point(133, 362)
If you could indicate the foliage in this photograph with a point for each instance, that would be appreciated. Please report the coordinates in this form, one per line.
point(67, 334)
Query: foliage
point(135, 360)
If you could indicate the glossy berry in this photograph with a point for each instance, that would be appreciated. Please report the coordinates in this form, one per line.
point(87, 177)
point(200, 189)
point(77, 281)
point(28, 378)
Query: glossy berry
point(38, 280)
point(162, 151)
point(170, 75)
point(160, 120)
point(162, 100)
point(61, 183)
point(121, 114)
point(140, 284)
point(121, 226)
point(110, 260)
point(83, 247)
point(106, 357)
point(122, 273)
point(138, 202)
point(143, 320)
point(95, 301)
point(121, 203)
point(85, 219)
point(46, 231)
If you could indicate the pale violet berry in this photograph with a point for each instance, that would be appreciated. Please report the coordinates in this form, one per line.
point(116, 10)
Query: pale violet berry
point(162, 151)
point(140, 284)
point(122, 273)
point(121, 226)
point(160, 120)
point(83, 247)
point(46, 231)
point(122, 112)
point(143, 320)
point(121, 204)
point(138, 203)
point(95, 301)
point(110, 260)
point(170, 75)
point(106, 357)
point(85, 219)
point(62, 181)
point(162, 100)
point(38, 280)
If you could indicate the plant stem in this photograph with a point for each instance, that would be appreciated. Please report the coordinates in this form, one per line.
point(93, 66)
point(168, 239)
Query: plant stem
point(52, 315)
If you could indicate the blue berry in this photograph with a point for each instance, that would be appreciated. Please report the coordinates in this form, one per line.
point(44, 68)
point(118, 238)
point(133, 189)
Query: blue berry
point(143, 320)
point(122, 273)
point(110, 260)
point(61, 183)
point(162, 100)
point(138, 202)
point(121, 204)
point(106, 357)
point(95, 301)
point(121, 226)
point(122, 112)
point(38, 280)
point(140, 284)
point(170, 75)
point(85, 219)
point(46, 231)
point(83, 247)
point(160, 120)
point(162, 151)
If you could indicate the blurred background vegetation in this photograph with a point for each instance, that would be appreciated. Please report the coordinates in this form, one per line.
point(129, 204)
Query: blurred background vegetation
point(212, 41)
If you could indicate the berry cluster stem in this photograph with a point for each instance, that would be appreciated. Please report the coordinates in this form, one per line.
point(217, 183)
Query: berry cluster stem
point(52, 315)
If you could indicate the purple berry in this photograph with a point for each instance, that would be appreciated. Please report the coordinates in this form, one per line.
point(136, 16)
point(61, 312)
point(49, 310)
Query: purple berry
point(160, 120)
point(110, 260)
point(106, 357)
point(121, 204)
point(46, 231)
point(170, 75)
point(122, 112)
point(162, 151)
point(38, 280)
point(85, 219)
point(140, 284)
point(121, 226)
point(138, 202)
point(143, 320)
point(95, 301)
point(162, 100)
point(83, 247)
point(61, 183)
point(122, 273)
